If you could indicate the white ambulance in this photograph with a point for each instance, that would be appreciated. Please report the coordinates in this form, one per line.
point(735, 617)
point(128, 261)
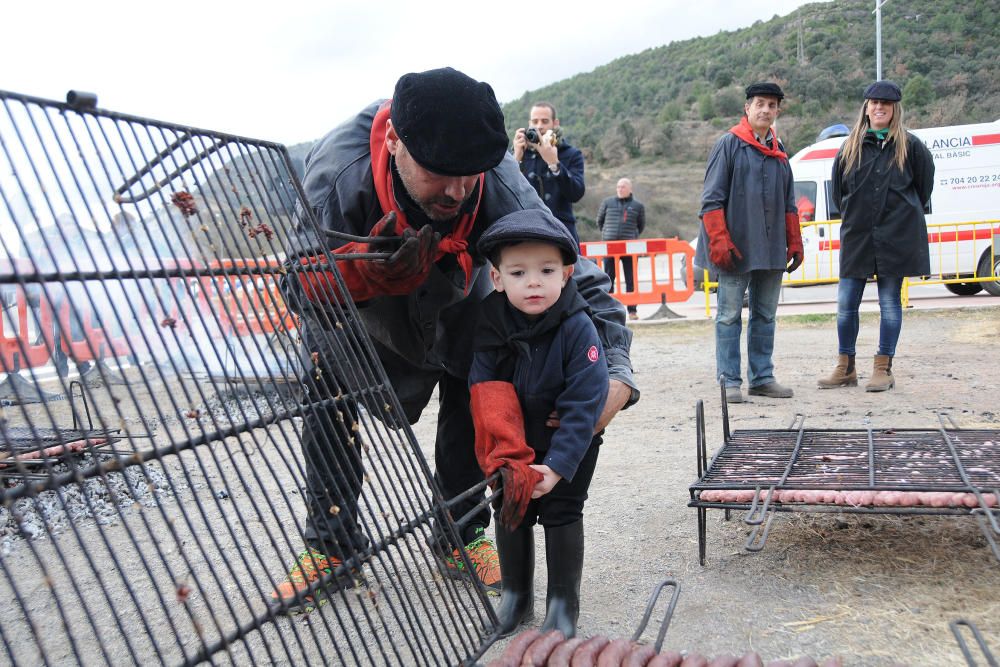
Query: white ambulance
point(963, 221)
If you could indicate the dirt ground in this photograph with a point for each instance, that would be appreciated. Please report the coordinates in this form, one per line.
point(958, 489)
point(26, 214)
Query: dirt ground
point(873, 589)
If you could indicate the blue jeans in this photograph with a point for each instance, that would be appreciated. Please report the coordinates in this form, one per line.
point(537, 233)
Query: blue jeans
point(764, 288)
point(890, 306)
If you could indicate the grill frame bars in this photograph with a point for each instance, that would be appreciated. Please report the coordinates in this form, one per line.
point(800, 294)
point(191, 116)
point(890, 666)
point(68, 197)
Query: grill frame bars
point(128, 131)
point(760, 511)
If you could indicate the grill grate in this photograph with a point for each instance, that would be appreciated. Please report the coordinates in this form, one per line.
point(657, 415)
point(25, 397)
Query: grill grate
point(944, 471)
point(146, 260)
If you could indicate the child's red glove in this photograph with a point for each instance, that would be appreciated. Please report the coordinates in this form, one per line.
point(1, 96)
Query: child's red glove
point(501, 445)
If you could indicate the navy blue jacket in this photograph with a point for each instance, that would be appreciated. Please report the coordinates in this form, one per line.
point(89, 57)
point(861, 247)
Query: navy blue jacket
point(558, 192)
point(555, 363)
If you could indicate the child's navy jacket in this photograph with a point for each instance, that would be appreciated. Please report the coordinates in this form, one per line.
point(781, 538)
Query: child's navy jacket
point(555, 362)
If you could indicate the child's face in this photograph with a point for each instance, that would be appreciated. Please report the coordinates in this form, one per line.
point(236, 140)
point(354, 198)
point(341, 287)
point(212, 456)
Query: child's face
point(532, 274)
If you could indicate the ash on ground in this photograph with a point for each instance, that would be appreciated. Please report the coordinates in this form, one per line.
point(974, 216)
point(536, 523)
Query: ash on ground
point(103, 499)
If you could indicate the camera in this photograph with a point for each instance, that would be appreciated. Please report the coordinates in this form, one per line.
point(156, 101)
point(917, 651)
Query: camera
point(531, 136)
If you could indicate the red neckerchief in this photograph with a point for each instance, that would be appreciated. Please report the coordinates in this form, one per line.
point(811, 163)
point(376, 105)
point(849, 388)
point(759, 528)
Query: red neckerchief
point(456, 242)
point(745, 132)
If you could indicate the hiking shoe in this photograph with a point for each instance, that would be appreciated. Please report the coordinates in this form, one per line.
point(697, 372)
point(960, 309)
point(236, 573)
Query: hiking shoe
point(734, 395)
point(309, 567)
point(485, 562)
point(771, 390)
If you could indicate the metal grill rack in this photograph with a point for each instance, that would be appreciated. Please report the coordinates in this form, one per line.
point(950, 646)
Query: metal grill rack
point(155, 255)
point(760, 471)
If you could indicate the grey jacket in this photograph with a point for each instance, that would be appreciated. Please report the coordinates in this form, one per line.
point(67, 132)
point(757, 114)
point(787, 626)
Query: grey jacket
point(755, 191)
point(419, 335)
point(621, 219)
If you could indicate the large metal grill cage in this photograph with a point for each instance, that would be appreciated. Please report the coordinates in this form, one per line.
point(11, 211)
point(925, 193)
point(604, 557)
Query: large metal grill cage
point(155, 399)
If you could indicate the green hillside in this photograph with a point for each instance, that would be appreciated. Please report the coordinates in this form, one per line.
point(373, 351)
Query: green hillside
point(654, 115)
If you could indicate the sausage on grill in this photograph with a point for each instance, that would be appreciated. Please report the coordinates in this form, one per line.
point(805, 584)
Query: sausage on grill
point(613, 654)
point(514, 653)
point(537, 654)
point(561, 655)
point(586, 654)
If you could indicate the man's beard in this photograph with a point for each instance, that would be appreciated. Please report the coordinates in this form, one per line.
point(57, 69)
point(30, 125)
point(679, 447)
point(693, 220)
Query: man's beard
point(425, 205)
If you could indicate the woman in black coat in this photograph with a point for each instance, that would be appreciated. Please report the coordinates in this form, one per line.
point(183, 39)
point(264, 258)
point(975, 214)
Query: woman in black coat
point(882, 178)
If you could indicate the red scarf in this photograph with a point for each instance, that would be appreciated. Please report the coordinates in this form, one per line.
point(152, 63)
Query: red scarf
point(456, 242)
point(745, 132)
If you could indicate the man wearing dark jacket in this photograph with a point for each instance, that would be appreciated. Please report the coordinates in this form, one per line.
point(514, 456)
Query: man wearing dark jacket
point(621, 218)
point(551, 165)
point(424, 171)
point(750, 233)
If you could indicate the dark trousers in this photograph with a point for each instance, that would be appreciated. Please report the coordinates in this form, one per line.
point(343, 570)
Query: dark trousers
point(334, 469)
point(563, 505)
point(609, 268)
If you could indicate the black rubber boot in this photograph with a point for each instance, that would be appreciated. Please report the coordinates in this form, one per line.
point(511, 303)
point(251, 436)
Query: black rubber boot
point(517, 575)
point(564, 559)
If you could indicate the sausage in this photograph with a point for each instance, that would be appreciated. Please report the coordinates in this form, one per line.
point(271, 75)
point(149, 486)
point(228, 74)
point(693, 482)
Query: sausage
point(694, 660)
point(805, 661)
point(724, 661)
point(561, 655)
point(639, 656)
point(666, 659)
point(613, 654)
point(586, 654)
point(538, 653)
point(750, 660)
point(833, 662)
point(514, 653)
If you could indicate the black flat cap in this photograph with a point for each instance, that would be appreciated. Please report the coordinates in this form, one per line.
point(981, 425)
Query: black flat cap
point(533, 224)
point(765, 89)
point(450, 123)
point(883, 90)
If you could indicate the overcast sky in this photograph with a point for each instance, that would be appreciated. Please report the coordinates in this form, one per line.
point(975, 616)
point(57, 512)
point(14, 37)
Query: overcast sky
point(289, 71)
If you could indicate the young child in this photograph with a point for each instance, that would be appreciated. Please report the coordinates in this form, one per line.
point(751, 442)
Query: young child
point(538, 383)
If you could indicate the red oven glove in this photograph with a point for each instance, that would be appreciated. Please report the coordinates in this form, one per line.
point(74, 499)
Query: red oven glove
point(501, 445)
point(400, 274)
point(793, 237)
point(721, 249)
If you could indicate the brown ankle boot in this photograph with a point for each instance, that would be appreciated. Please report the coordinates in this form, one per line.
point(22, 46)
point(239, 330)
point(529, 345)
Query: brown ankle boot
point(844, 375)
point(882, 378)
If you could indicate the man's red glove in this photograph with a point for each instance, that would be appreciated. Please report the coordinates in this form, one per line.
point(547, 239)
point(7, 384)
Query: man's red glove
point(721, 249)
point(501, 445)
point(401, 273)
point(793, 237)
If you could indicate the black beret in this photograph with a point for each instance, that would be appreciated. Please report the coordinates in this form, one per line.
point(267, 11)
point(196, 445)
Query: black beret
point(533, 224)
point(450, 123)
point(883, 90)
point(765, 89)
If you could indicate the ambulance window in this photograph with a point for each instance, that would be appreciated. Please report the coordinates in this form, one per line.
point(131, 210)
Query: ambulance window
point(832, 207)
point(805, 200)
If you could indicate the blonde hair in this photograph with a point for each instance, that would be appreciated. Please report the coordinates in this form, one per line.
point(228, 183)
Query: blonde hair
point(850, 154)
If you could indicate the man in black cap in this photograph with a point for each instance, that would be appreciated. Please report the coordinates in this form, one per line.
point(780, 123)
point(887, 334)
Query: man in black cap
point(428, 170)
point(750, 234)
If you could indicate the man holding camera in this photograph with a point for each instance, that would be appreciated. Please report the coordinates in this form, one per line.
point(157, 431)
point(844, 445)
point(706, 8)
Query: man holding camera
point(552, 166)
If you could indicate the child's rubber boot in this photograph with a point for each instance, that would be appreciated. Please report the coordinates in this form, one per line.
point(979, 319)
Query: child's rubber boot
point(517, 575)
point(564, 558)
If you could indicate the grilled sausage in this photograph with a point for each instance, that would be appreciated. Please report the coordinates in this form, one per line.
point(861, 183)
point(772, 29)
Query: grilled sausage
point(750, 660)
point(538, 653)
point(694, 660)
point(514, 653)
point(639, 656)
point(561, 655)
point(586, 654)
point(666, 659)
point(613, 654)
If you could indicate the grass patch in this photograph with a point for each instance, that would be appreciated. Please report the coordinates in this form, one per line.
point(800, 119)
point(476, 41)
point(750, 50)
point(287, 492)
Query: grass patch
point(810, 318)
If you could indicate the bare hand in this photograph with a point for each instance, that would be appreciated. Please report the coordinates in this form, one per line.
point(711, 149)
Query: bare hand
point(618, 395)
point(549, 479)
point(547, 149)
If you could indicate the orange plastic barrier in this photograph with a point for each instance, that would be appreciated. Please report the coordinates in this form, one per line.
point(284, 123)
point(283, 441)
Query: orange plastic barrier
point(654, 268)
point(249, 304)
point(19, 348)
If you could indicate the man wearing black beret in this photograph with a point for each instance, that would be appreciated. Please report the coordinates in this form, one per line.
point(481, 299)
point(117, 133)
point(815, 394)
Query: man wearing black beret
point(750, 234)
point(425, 173)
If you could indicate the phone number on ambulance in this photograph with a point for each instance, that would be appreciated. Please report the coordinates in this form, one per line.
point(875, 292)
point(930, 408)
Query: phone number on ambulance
point(970, 180)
